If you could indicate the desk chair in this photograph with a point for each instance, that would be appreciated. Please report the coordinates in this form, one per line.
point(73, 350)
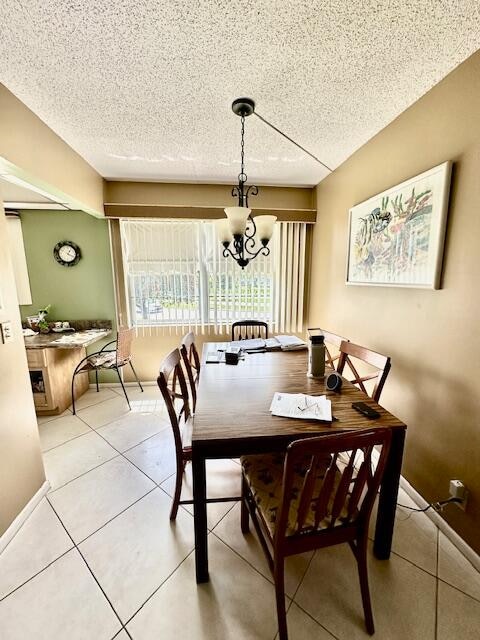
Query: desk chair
point(314, 497)
point(249, 329)
point(108, 359)
point(348, 350)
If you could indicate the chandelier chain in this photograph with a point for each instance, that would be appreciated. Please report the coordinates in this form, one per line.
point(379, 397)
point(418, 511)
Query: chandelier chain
point(242, 176)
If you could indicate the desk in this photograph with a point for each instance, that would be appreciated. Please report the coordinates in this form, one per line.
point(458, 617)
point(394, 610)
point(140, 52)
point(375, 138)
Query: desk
point(232, 418)
point(52, 358)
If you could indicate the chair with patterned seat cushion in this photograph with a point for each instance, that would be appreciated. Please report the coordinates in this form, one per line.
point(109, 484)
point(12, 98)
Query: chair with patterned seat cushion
point(109, 359)
point(319, 494)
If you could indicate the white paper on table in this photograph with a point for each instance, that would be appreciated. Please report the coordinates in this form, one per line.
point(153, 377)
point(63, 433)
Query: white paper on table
point(299, 405)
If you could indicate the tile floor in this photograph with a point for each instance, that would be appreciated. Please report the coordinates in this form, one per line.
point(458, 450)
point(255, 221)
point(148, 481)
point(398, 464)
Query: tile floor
point(99, 559)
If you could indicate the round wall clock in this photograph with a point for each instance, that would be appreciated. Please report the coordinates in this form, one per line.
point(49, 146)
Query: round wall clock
point(67, 253)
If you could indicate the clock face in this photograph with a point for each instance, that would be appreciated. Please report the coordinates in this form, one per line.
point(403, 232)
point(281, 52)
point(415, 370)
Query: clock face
point(67, 253)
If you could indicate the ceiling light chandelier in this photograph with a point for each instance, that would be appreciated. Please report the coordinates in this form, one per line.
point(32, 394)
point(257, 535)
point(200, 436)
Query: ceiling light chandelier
point(240, 230)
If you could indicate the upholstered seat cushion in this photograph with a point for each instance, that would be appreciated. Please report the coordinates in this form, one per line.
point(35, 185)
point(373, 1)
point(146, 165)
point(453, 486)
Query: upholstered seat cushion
point(103, 360)
point(264, 476)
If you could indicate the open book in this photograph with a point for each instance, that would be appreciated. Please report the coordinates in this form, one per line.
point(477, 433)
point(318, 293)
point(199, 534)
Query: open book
point(284, 343)
point(299, 405)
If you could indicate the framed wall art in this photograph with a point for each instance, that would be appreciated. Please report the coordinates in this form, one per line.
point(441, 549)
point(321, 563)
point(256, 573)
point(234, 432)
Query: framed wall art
point(396, 238)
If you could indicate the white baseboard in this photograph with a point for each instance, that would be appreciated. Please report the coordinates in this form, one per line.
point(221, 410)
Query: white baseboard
point(25, 513)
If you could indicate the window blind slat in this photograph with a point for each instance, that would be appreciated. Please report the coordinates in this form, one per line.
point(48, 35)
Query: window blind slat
point(178, 279)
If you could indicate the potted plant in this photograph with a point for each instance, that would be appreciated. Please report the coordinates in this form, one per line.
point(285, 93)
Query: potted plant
point(43, 325)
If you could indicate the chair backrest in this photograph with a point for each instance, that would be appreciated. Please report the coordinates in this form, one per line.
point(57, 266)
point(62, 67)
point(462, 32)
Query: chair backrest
point(336, 341)
point(191, 361)
point(381, 363)
point(124, 345)
point(339, 486)
point(170, 373)
point(249, 329)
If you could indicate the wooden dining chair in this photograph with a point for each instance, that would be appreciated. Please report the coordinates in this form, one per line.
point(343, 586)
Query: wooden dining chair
point(109, 359)
point(319, 494)
point(336, 341)
point(249, 329)
point(381, 363)
point(170, 379)
point(191, 360)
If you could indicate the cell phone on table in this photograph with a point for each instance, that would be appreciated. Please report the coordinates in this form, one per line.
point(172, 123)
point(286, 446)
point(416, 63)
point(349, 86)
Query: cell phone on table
point(365, 410)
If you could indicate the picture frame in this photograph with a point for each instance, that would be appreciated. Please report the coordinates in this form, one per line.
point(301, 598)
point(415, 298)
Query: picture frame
point(396, 238)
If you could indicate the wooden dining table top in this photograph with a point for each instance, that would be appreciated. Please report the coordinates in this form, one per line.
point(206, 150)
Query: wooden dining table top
point(234, 400)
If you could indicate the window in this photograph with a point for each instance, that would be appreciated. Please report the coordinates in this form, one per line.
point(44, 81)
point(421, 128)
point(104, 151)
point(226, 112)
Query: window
point(176, 275)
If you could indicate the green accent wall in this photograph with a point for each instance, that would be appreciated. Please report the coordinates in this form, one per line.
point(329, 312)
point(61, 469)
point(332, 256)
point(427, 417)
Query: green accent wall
point(82, 292)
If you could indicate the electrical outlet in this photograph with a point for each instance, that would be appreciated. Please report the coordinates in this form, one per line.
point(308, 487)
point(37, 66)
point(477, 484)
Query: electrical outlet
point(6, 332)
point(459, 491)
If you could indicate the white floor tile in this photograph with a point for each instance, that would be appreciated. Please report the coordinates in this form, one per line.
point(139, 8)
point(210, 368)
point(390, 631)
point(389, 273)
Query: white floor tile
point(56, 432)
point(403, 596)
point(458, 615)
point(44, 419)
point(131, 429)
point(63, 601)
point(237, 603)
point(134, 553)
point(302, 627)
point(76, 457)
point(155, 456)
point(40, 541)
point(223, 480)
point(150, 393)
point(248, 546)
point(414, 536)
point(92, 396)
point(90, 501)
point(455, 569)
point(104, 412)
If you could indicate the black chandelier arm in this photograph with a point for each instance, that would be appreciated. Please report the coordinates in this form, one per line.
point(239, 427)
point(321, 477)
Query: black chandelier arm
point(253, 226)
point(264, 250)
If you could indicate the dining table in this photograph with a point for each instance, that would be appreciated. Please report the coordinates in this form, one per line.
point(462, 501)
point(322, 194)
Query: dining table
point(232, 418)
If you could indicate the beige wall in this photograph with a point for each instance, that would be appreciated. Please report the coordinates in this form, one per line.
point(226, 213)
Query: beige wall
point(149, 350)
point(21, 467)
point(432, 336)
point(204, 201)
point(40, 156)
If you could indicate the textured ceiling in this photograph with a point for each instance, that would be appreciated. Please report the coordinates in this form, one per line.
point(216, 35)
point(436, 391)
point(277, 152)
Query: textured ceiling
point(142, 88)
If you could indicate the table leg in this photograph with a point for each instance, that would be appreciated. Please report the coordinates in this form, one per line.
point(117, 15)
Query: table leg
point(387, 502)
point(200, 517)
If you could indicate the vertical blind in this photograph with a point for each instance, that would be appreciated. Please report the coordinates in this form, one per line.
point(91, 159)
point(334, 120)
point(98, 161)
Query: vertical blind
point(177, 278)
